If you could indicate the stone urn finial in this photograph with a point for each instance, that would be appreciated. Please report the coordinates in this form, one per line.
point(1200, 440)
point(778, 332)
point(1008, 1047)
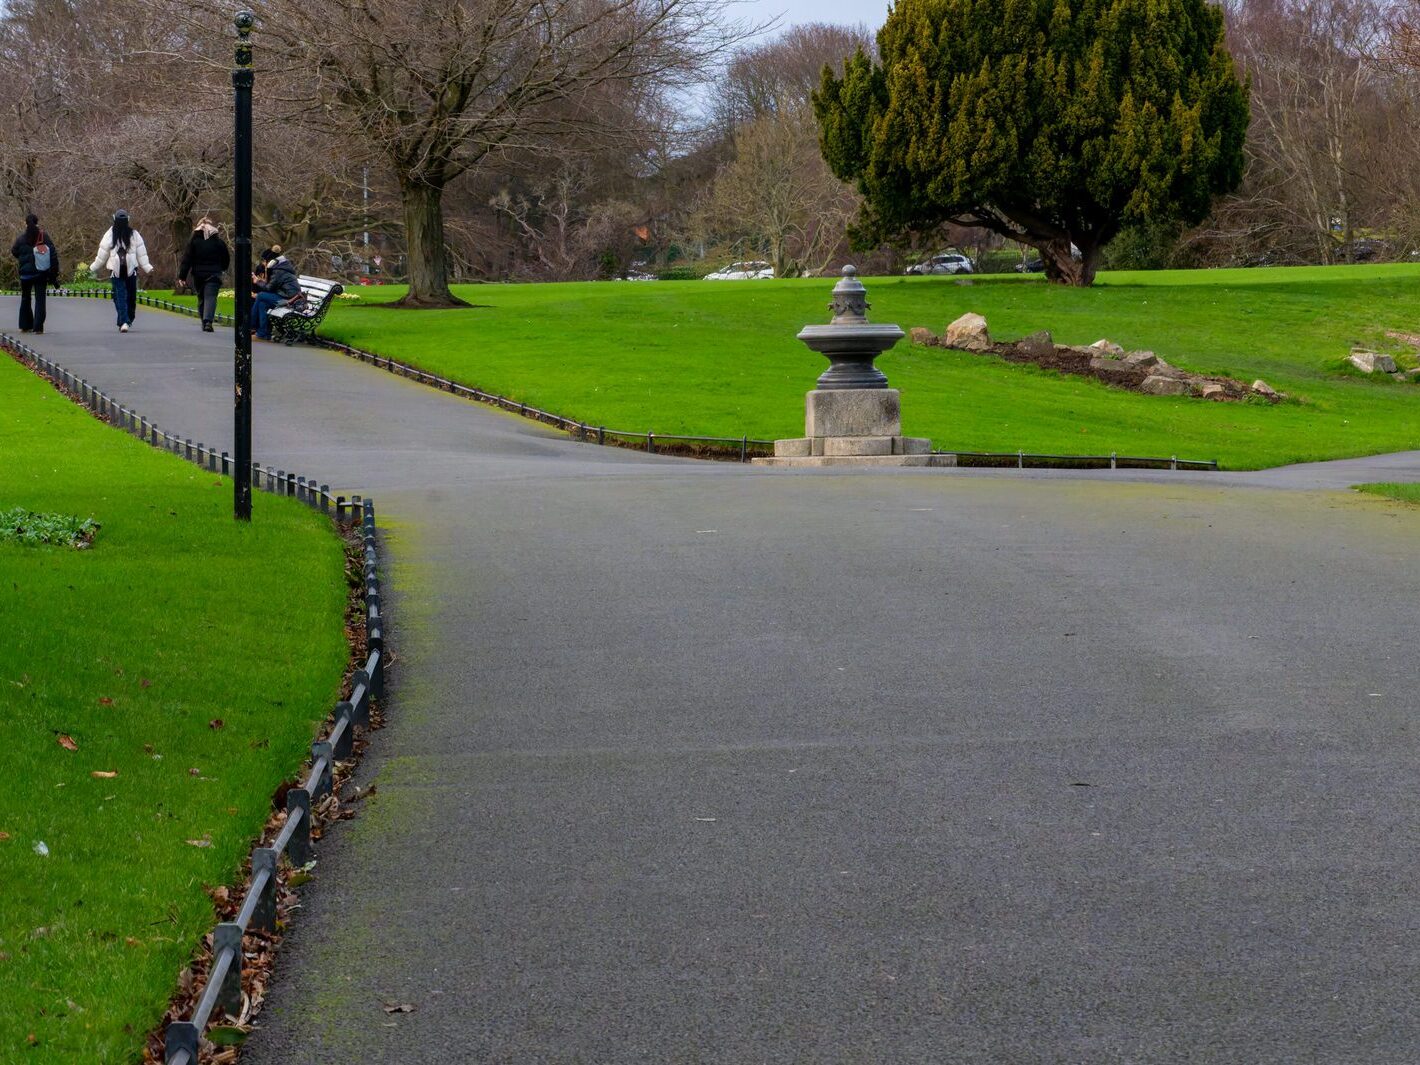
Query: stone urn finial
point(850, 299)
point(850, 342)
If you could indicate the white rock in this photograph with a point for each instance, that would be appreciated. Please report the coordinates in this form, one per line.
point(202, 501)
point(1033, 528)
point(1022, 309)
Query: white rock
point(1212, 390)
point(1107, 348)
point(1262, 388)
point(1372, 362)
point(969, 332)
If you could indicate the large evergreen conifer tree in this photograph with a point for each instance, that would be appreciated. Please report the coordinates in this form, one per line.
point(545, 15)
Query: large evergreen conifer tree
point(1053, 122)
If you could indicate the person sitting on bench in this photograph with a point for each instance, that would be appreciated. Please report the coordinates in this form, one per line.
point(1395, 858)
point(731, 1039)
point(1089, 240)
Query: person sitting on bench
point(281, 288)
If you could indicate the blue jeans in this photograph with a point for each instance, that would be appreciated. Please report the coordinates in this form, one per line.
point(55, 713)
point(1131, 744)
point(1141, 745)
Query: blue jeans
point(260, 308)
point(125, 297)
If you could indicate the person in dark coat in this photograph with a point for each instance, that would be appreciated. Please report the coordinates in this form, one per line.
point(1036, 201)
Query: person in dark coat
point(206, 260)
point(30, 250)
point(282, 288)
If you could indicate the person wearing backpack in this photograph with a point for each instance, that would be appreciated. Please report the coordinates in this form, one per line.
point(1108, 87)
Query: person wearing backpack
point(206, 259)
point(39, 267)
point(122, 253)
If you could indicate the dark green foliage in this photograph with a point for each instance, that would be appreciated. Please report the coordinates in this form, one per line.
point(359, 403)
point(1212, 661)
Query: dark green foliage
point(1049, 121)
point(28, 527)
point(1146, 246)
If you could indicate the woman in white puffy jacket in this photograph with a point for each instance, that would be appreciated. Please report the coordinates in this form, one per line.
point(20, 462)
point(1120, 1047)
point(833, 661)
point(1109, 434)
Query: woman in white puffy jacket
point(122, 253)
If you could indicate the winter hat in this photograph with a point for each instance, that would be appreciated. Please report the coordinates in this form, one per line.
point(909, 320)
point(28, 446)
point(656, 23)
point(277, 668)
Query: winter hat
point(31, 220)
point(120, 215)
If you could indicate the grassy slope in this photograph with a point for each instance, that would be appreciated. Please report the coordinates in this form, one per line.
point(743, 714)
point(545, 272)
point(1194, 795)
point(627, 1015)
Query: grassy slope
point(721, 358)
point(176, 617)
point(1406, 493)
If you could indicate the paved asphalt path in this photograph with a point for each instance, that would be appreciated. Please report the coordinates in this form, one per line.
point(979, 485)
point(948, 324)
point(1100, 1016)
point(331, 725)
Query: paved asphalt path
point(689, 762)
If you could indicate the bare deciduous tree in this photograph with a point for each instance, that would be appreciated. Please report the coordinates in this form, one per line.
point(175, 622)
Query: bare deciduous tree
point(777, 193)
point(435, 88)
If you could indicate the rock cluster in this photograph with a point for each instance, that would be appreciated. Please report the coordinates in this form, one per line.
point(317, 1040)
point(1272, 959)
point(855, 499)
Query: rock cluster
point(1375, 362)
point(1371, 362)
point(1137, 371)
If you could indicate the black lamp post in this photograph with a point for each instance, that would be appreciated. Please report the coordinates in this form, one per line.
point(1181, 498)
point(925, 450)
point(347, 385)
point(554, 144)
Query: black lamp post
point(241, 82)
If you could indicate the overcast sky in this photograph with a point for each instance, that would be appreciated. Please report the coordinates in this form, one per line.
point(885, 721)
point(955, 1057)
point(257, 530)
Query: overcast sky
point(846, 12)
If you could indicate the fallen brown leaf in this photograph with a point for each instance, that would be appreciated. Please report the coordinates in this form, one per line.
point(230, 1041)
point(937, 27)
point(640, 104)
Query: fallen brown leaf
point(144, 682)
point(4, 836)
point(199, 843)
point(194, 772)
point(104, 700)
point(104, 774)
point(399, 1007)
point(67, 742)
point(216, 723)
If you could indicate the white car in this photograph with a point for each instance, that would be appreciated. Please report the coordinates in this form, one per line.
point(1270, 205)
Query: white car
point(944, 264)
point(755, 271)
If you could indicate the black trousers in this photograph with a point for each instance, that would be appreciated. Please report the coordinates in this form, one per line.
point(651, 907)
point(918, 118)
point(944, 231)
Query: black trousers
point(205, 288)
point(32, 303)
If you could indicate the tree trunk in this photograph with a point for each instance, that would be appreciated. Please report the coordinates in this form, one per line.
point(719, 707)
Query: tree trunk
point(1063, 268)
point(424, 246)
point(180, 231)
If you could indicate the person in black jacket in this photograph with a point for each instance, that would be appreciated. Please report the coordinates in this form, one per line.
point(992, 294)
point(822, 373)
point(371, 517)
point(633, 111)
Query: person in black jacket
point(32, 248)
point(282, 288)
point(206, 259)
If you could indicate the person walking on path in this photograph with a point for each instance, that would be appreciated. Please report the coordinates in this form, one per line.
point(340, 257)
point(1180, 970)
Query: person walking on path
point(122, 253)
point(39, 267)
point(281, 288)
point(206, 259)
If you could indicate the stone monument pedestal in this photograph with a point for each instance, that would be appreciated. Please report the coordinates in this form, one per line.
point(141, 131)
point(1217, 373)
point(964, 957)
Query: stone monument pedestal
point(852, 418)
point(854, 427)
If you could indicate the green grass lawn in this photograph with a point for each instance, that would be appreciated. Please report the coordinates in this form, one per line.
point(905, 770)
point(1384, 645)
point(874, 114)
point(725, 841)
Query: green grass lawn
point(188, 656)
point(1406, 493)
point(721, 358)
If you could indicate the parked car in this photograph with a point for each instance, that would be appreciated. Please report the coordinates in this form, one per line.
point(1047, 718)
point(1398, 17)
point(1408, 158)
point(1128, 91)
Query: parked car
point(749, 271)
point(948, 263)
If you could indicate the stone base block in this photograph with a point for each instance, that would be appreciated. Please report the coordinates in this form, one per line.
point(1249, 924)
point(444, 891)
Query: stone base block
point(855, 445)
point(853, 412)
point(912, 445)
point(858, 461)
point(802, 447)
point(799, 448)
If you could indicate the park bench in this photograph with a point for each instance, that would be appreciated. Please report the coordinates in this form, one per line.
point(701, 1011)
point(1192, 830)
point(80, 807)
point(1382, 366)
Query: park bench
point(298, 321)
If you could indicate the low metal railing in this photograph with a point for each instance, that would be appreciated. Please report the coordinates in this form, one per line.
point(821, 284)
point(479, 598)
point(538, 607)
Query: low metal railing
point(223, 990)
point(746, 446)
point(1113, 461)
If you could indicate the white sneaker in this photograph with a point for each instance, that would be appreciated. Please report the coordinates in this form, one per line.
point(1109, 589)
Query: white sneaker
point(123, 329)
